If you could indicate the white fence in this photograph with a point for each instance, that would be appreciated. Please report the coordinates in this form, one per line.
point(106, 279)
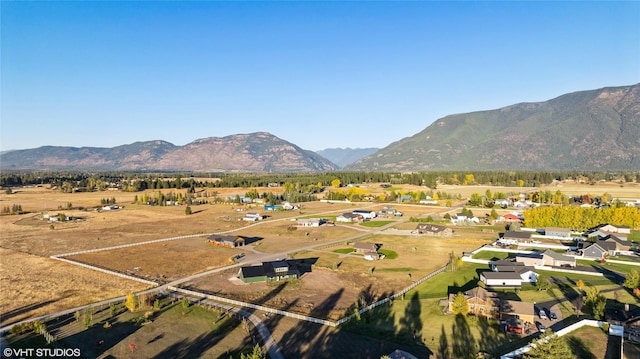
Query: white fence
point(106, 271)
point(561, 332)
point(127, 245)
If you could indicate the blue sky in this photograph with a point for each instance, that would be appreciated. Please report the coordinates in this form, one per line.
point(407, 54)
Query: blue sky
point(317, 74)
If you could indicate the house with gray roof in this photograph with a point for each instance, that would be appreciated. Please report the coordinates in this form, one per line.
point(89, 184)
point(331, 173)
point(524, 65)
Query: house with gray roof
point(434, 230)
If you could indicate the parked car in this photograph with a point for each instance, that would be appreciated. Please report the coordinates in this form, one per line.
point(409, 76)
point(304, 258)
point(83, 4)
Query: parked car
point(542, 314)
point(540, 326)
point(553, 316)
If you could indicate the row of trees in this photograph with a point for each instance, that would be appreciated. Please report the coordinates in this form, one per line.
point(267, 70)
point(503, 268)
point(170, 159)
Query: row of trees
point(14, 209)
point(579, 218)
point(139, 181)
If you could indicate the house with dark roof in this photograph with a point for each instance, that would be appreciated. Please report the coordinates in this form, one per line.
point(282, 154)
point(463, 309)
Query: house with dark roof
point(226, 241)
point(501, 279)
point(434, 230)
point(504, 263)
point(514, 237)
point(595, 251)
point(269, 271)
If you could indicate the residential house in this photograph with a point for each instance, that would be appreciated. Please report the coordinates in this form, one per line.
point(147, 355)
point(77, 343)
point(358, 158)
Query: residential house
point(482, 302)
point(226, 241)
point(605, 229)
point(252, 217)
point(596, 250)
point(524, 311)
point(367, 249)
point(269, 271)
point(501, 279)
point(310, 222)
point(602, 234)
point(513, 237)
point(462, 219)
point(504, 203)
point(434, 230)
point(349, 217)
point(527, 274)
point(616, 229)
point(547, 258)
point(504, 263)
point(557, 232)
point(555, 259)
point(621, 246)
point(387, 211)
point(365, 213)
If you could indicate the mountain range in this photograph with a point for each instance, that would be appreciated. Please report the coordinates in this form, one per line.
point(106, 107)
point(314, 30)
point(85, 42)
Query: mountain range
point(595, 130)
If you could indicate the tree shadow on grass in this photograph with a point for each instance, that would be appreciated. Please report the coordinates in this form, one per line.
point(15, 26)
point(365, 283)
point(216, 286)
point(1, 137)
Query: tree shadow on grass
point(25, 309)
point(579, 348)
point(464, 344)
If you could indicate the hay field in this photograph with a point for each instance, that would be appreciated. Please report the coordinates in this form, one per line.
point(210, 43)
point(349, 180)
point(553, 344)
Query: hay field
point(33, 286)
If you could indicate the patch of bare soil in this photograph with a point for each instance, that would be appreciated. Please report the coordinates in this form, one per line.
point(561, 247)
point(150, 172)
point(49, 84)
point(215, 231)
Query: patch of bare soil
point(34, 286)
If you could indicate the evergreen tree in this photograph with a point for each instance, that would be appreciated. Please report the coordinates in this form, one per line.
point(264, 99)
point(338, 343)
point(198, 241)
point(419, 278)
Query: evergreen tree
point(549, 346)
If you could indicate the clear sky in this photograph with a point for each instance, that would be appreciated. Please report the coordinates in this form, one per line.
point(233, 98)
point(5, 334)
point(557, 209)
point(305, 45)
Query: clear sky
point(317, 74)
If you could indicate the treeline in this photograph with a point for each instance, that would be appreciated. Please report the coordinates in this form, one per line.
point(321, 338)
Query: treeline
point(139, 181)
point(580, 219)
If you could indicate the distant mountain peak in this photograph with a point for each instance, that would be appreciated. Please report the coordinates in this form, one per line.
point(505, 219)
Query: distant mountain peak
point(254, 152)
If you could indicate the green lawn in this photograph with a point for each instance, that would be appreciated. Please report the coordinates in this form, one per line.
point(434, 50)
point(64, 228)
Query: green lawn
point(493, 255)
point(375, 224)
point(343, 250)
point(389, 254)
point(464, 278)
point(616, 267)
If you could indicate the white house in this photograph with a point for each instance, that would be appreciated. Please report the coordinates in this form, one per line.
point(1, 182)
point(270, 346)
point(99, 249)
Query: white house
point(501, 279)
point(349, 217)
point(252, 217)
point(365, 214)
point(310, 222)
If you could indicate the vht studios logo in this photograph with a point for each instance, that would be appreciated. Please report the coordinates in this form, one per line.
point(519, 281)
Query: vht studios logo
point(40, 352)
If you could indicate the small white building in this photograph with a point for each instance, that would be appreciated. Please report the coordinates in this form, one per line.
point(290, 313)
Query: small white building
point(365, 214)
point(501, 279)
point(310, 222)
point(252, 217)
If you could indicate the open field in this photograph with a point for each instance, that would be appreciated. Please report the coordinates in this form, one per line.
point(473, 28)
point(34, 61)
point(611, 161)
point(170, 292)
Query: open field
point(33, 286)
